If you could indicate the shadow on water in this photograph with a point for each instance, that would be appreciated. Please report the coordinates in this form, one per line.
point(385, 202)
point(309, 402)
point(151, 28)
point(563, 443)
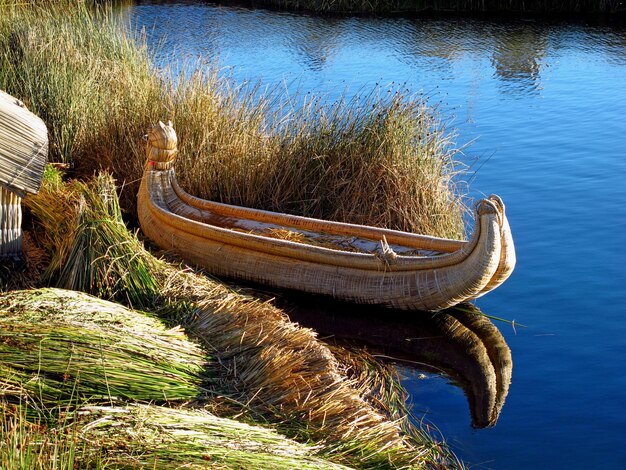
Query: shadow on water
point(461, 342)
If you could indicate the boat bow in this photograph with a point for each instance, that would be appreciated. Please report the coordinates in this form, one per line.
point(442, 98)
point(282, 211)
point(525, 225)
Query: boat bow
point(210, 234)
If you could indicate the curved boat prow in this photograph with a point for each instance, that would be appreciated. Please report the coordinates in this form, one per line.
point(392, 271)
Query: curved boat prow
point(508, 258)
point(388, 267)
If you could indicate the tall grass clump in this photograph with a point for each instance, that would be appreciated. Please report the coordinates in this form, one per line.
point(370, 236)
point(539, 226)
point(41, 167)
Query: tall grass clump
point(381, 159)
point(85, 77)
point(270, 369)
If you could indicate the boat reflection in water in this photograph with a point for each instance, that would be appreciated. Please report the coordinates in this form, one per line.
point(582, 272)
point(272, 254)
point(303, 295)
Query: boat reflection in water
point(461, 341)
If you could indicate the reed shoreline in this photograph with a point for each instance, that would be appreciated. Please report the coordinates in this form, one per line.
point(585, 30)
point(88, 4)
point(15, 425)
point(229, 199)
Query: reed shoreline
point(382, 158)
point(492, 9)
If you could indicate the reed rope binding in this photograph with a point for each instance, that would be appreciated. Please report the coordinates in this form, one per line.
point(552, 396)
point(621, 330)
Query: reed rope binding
point(23, 146)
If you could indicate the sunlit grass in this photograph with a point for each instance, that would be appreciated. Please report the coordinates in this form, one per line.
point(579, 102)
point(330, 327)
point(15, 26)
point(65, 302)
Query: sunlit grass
point(382, 158)
point(30, 443)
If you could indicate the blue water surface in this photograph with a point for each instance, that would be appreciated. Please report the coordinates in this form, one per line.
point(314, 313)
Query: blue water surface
point(544, 105)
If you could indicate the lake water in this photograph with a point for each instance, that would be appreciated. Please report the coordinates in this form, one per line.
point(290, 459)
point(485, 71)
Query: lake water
point(545, 104)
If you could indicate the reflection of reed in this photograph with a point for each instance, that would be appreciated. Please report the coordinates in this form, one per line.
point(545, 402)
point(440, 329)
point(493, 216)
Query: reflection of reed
point(314, 42)
point(517, 56)
point(461, 342)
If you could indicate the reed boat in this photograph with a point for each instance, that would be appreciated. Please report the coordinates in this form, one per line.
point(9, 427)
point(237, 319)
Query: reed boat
point(348, 262)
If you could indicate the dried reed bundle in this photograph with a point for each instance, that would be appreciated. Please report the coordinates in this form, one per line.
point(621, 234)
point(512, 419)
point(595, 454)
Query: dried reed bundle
point(143, 436)
point(285, 372)
point(92, 250)
point(65, 347)
point(165, 438)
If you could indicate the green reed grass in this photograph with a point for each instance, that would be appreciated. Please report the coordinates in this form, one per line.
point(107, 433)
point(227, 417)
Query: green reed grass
point(142, 436)
point(62, 347)
point(167, 438)
point(30, 443)
point(382, 159)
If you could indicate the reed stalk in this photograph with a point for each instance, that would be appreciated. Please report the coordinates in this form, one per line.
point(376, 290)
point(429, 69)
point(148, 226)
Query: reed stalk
point(11, 238)
point(143, 436)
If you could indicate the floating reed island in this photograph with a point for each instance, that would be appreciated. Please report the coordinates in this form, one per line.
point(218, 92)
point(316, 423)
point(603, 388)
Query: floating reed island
point(81, 381)
point(348, 262)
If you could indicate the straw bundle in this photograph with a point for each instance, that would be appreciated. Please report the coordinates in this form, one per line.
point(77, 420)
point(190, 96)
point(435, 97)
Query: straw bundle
point(165, 438)
point(23, 146)
point(92, 250)
point(143, 436)
point(66, 347)
point(283, 371)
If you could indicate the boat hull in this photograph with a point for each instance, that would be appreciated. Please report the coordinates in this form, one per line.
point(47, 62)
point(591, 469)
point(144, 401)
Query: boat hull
point(180, 223)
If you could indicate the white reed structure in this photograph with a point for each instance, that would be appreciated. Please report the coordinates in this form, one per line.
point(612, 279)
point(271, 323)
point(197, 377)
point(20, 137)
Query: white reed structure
point(23, 156)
